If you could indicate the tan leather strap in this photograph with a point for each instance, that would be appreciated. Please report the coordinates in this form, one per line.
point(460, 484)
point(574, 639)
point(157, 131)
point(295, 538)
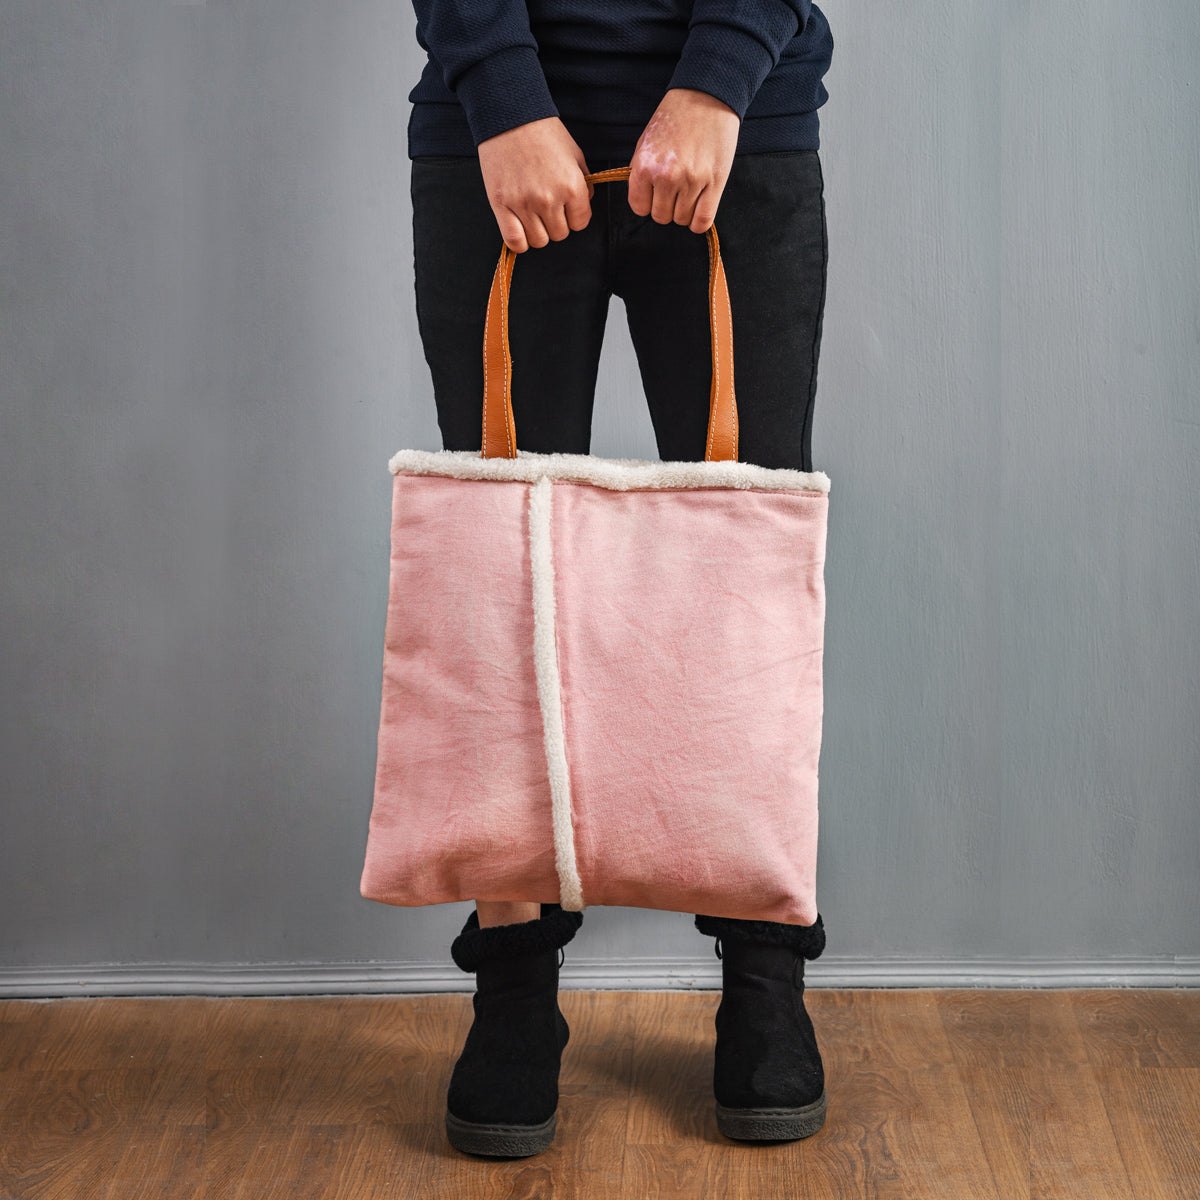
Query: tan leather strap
point(499, 428)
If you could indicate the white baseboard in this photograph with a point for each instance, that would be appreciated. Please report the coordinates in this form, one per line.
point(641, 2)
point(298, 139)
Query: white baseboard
point(651, 974)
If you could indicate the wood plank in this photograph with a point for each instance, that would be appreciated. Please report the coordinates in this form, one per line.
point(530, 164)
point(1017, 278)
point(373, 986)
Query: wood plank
point(999, 1101)
point(891, 1027)
point(1155, 1117)
point(671, 1094)
point(1139, 1027)
point(1073, 1150)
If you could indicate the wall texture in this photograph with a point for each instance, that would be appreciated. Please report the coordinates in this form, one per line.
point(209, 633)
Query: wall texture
point(208, 350)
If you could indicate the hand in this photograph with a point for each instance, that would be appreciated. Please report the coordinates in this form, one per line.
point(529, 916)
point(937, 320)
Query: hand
point(534, 176)
point(683, 158)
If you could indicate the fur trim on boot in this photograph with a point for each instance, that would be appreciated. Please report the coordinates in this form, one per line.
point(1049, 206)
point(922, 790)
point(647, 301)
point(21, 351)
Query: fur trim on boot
point(502, 1098)
point(551, 931)
point(768, 1077)
point(808, 940)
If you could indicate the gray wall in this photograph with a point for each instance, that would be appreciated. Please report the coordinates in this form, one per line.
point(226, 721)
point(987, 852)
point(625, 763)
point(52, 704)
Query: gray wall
point(208, 350)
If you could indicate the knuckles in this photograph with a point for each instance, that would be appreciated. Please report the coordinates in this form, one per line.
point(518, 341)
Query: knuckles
point(673, 176)
point(539, 199)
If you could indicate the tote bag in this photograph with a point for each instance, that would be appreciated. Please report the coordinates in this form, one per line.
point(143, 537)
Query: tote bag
point(602, 678)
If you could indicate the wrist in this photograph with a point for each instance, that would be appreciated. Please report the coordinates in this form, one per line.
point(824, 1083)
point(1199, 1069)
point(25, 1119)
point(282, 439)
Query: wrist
point(701, 101)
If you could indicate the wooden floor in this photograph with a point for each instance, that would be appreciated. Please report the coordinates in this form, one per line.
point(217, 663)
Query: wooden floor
point(958, 1094)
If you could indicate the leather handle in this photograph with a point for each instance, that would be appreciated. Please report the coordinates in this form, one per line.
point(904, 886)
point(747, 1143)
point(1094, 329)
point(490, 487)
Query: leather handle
point(499, 428)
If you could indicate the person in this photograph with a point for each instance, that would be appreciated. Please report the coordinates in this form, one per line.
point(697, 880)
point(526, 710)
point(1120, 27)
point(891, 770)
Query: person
point(714, 106)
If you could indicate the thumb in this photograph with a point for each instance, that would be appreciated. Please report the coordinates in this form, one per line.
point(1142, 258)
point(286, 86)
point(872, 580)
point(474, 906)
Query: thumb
point(581, 159)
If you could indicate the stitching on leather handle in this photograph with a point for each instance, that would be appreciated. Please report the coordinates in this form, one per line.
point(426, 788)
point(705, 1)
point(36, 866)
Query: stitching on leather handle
point(487, 323)
point(510, 440)
point(712, 340)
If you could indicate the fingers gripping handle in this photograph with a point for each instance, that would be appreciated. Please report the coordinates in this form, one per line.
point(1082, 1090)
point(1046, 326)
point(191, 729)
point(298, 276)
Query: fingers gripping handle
point(499, 428)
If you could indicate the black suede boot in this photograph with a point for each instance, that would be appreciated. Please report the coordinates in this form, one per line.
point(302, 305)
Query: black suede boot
point(768, 1078)
point(503, 1093)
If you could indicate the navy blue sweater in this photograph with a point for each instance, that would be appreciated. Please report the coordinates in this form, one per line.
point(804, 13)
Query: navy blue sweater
point(602, 66)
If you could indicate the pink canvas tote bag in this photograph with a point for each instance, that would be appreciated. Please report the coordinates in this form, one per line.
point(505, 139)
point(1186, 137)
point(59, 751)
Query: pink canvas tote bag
point(602, 678)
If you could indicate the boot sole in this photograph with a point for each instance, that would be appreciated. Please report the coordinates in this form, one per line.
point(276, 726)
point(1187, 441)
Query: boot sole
point(500, 1141)
point(772, 1124)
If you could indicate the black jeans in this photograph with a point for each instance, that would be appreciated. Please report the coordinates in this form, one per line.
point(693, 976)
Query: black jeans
point(771, 222)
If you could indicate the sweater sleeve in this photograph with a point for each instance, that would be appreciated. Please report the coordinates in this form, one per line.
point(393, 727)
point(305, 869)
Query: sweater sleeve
point(733, 44)
point(488, 58)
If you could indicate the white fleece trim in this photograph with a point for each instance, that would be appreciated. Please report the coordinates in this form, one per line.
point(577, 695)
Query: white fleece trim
point(549, 689)
point(618, 474)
